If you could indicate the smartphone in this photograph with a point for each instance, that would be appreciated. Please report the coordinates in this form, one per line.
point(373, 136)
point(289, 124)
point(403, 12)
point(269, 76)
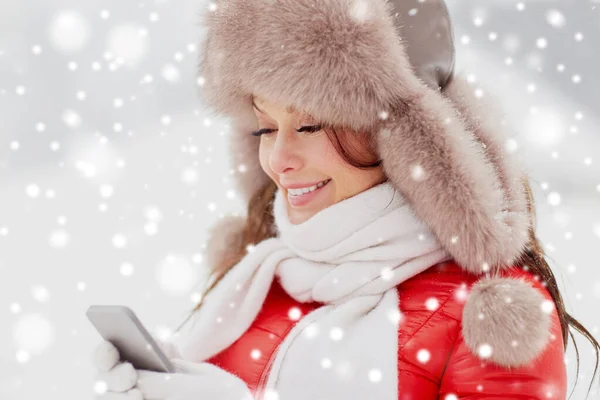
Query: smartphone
point(119, 325)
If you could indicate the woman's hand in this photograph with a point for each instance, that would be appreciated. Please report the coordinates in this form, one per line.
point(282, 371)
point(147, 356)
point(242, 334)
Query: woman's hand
point(119, 377)
point(191, 381)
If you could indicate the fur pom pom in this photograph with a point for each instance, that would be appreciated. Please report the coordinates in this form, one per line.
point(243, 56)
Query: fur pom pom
point(506, 321)
point(224, 235)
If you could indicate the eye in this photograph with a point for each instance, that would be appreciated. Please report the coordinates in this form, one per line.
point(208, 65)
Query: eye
point(263, 131)
point(310, 129)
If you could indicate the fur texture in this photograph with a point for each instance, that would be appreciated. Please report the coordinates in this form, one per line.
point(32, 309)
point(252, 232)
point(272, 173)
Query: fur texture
point(482, 117)
point(506, 321)
point(361, 78)
point(345, 63)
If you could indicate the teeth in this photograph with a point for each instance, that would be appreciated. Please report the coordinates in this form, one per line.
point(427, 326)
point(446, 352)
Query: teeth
point(298, 192)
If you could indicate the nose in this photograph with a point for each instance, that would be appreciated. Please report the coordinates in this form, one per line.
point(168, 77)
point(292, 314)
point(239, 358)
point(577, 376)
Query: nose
point(285, 155)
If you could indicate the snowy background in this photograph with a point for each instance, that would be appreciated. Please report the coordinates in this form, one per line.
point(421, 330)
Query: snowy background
point(112, 169)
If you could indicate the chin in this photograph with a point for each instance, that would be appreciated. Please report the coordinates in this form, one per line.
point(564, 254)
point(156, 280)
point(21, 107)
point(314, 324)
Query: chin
point(296, 219)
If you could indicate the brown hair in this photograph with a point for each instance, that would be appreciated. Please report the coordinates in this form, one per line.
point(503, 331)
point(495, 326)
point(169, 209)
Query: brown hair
point(260, 221)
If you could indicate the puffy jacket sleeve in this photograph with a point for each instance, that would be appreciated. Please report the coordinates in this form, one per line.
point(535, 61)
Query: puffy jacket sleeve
point(467, 376)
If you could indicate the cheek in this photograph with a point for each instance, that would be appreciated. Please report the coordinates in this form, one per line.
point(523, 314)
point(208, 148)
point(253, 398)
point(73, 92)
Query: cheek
point(324, 159)
point(330, 161)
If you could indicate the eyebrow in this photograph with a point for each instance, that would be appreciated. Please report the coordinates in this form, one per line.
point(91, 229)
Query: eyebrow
point(289, 109)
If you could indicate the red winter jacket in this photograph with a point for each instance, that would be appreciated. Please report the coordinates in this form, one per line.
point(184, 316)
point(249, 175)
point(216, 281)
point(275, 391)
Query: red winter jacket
point(452, 367)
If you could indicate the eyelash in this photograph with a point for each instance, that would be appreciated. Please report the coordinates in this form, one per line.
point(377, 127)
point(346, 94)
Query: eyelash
point(310, 129)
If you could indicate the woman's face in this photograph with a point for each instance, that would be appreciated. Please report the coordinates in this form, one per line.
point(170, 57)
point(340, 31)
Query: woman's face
point(295, 160)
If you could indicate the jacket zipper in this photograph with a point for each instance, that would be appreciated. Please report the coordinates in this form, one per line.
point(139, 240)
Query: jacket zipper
point(262, 381)
point(260, 388)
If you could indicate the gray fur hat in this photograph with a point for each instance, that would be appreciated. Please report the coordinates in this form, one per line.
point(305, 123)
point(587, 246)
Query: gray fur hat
point(384, 67)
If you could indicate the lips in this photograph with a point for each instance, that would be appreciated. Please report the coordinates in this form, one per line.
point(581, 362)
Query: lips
point(305, 198)
point(324, 182)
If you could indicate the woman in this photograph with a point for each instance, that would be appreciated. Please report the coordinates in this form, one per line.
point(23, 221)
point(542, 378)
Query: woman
point(389, 249)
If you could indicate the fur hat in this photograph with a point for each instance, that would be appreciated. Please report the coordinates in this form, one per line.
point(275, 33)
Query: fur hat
point(384, 67)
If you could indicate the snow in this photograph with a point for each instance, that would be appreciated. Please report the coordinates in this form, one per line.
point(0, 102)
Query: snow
point(112, 169)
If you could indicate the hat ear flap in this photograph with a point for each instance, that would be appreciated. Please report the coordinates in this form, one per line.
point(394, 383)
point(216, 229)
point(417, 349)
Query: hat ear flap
point(433, 155)
point(483, 117)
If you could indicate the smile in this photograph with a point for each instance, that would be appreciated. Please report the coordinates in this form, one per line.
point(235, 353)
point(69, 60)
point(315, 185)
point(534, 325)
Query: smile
point(298, 200)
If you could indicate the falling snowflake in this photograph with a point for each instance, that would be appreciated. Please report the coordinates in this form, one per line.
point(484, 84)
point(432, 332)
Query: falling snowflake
point(485, 351)
point(375, 375)
point(176, 275)
point(555, 18)
point(33, 333)
point(553, 198)
point(432, 304)
point(423, 356)
point(69, 31)
point(336, 334)
point(255, 354)
point(294, 313)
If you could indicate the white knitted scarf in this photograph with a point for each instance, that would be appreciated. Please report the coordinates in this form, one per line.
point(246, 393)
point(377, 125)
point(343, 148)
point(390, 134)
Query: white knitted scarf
point(349, 256)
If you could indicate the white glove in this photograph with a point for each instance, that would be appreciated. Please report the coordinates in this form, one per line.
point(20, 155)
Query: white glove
point(192, 381)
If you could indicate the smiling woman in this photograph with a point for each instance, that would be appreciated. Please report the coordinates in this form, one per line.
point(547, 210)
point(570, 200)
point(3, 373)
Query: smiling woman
point(389, 247)
point(378, 190)
point(314, 165)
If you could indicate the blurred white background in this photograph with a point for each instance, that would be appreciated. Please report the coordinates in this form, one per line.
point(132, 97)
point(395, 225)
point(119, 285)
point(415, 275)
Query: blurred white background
point(112, 169)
